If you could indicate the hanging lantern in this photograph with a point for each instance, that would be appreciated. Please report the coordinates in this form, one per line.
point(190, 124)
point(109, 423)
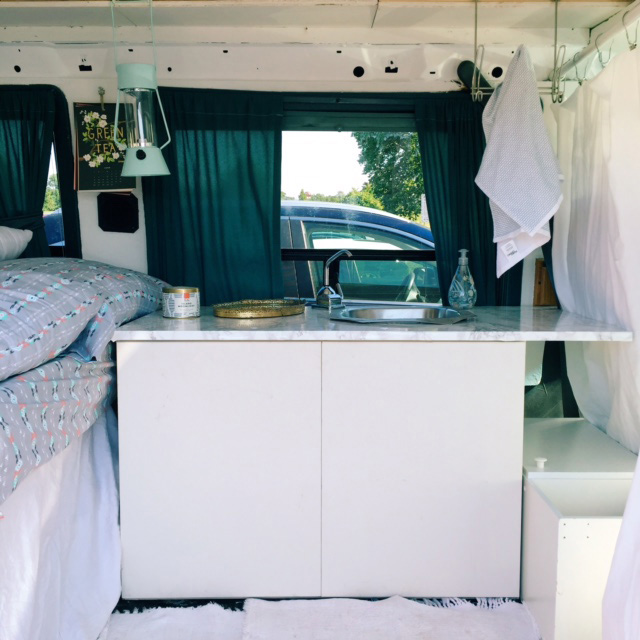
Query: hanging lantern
point(137, 92)
point(137, 86)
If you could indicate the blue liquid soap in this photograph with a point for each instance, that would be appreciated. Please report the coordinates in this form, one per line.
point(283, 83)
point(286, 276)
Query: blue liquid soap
point(462, 292)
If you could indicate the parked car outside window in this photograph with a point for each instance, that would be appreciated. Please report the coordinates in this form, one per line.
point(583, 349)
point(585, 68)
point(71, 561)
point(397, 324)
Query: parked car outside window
point(53, 228)
point(327, 225)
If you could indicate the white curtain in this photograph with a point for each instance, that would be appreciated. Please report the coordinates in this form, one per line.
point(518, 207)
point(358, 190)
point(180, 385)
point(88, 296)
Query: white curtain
point(596, 259)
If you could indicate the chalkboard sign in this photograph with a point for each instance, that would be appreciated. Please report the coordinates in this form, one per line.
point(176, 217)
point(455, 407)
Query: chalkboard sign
point(98, 159)
point(118, 212)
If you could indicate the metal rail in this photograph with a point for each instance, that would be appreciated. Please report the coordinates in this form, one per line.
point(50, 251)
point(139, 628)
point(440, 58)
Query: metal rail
point(605, 34)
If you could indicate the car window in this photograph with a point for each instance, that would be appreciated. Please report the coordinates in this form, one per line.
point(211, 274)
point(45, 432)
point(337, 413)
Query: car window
point(381, 280)
point(326, 235)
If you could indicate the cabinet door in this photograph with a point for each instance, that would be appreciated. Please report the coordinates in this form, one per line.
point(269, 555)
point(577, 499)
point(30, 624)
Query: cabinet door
point(220, 469)
point(421, 465)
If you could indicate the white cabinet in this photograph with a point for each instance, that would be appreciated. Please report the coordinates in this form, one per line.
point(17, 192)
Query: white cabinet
point(220, 469)
point(296, 469)
point(570, 530)
point(421, 468)
point(572, 515)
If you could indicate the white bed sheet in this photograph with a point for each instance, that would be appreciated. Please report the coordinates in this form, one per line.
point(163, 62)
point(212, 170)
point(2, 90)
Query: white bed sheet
point(60, 544)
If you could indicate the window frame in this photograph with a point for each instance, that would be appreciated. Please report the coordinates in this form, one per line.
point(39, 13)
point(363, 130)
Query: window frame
point(359, 112)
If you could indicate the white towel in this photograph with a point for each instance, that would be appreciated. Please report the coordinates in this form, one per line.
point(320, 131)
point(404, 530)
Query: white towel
point(519, 171)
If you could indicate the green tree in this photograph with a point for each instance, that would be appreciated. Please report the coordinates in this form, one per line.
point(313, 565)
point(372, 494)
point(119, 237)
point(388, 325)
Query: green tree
point(364, 198)
point(320, 197)
point(392, 163)
point(52, 194)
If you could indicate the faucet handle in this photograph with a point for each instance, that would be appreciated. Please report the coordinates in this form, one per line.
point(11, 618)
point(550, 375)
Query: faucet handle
point(327, 297)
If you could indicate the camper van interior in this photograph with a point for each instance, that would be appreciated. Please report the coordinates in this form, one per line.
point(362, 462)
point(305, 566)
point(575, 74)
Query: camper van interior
point(318, 319)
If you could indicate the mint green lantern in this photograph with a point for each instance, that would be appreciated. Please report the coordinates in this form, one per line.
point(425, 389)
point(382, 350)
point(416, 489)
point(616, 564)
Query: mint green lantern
point(137, 91)
point(137, 86)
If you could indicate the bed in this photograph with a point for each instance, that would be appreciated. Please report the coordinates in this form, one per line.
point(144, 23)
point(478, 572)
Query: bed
point(59, 538)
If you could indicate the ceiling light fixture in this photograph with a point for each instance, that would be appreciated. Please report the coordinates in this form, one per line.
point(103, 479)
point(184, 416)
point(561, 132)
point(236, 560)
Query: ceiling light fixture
point(137, 85)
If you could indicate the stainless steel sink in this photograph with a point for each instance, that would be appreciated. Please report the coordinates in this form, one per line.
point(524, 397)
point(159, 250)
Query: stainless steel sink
point(412, 314)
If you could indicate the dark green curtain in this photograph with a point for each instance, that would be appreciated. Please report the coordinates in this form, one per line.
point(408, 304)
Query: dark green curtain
point(215, 221)
point(451, 145)
point(31, 118)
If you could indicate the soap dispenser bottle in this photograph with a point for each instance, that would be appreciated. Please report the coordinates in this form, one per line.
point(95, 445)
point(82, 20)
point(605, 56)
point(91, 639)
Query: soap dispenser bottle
point(462, 292)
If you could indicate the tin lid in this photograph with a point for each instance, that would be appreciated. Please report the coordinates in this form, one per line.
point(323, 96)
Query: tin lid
point(180, 290)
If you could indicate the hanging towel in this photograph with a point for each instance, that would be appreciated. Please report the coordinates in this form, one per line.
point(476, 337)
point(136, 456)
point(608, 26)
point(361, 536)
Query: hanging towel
point(519, 171)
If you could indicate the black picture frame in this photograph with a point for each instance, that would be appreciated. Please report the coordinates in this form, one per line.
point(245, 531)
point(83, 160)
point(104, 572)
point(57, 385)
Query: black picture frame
point(99, 160)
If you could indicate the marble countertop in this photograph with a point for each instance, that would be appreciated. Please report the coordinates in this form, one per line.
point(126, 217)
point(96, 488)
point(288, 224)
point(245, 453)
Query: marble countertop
point(491, 324)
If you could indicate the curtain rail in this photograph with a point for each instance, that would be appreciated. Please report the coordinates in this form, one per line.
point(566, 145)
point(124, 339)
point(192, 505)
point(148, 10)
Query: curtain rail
point(604, 35)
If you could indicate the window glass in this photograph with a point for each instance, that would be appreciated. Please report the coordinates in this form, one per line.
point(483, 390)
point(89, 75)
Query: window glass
point(359, 191)
point(325, 235)
point(398, 280)
point(52, 209)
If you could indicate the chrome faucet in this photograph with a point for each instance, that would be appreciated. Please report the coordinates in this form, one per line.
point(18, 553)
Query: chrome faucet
point(327, 296)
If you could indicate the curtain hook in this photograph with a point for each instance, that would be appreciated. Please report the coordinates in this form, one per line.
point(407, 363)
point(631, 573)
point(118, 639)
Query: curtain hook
point(603, 63)
point(634, 44)
point(476, 90)
point(578, 79)
point(558, 82)
point(559, 53)
point(478, 50)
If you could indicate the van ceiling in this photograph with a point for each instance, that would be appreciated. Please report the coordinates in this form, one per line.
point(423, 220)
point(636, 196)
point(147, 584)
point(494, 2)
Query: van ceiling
point(254, 40)
point(371, 15)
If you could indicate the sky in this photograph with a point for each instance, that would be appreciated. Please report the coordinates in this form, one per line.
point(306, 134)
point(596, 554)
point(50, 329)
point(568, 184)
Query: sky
point(320, 162)
point(52, 163)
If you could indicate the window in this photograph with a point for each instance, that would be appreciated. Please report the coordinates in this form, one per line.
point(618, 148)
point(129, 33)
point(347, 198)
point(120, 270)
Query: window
point(52, 209)
point(345, 191)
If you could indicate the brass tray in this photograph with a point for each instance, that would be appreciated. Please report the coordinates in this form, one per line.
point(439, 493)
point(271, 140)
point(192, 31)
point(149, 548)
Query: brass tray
point(258, 308)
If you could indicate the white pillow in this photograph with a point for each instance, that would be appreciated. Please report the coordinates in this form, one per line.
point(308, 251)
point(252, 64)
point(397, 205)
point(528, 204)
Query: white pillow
point(13, 242)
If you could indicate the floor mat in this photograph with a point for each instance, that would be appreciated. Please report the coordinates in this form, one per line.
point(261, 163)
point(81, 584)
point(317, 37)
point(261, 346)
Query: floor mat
point(397, 618)
point(209, 622)
point(394, 618)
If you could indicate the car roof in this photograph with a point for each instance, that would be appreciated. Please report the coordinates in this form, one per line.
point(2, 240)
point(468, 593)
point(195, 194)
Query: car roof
point(343, 211)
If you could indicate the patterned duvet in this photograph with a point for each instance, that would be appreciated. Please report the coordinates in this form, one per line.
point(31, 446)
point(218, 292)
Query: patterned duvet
point(56, 316)
point(48, 305)
point(43, 410)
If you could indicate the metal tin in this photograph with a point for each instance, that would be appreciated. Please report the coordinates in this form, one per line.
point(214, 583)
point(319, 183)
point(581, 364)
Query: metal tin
point(180, 302)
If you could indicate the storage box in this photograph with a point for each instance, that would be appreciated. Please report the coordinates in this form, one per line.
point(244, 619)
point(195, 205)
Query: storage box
point(572, 514)
point(570, 528)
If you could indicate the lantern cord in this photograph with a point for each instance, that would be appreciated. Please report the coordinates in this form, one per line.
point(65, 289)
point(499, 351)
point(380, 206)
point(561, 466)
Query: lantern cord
point(114, 28)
